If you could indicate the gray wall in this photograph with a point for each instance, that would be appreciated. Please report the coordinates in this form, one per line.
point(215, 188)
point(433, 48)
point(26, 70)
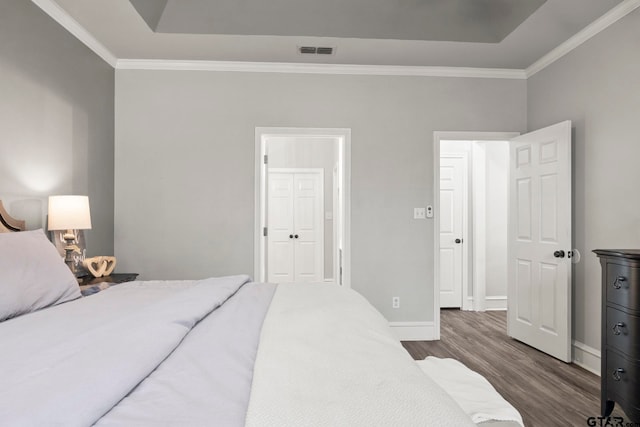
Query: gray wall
point(56, 120)
point(597, 86)
point(185, 167)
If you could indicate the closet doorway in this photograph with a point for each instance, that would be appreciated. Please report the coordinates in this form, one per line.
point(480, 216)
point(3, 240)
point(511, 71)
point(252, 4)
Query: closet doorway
point(302, 205)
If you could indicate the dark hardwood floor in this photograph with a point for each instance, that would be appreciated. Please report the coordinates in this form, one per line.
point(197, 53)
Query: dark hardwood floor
point(546, 391)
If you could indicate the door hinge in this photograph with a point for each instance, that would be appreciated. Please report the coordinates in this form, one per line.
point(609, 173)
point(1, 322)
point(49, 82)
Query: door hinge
point(265, 159)
point(264, 231)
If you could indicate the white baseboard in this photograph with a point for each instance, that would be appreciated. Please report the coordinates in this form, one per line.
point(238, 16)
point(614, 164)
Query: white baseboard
point(495, 303)
point(413, 331)
point(586, 357)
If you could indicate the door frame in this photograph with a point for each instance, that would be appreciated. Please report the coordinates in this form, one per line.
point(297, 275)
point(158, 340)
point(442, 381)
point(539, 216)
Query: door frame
point(342, 221)
point(319, 215)
point(444, 136)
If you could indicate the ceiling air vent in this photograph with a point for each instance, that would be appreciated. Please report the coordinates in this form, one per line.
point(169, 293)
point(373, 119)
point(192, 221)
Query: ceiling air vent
point(313, 50)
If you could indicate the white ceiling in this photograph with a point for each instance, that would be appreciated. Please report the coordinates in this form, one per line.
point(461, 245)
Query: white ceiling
point(411, 33)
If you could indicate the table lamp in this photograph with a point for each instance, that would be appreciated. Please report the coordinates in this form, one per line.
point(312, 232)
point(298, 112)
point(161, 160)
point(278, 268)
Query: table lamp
point(69, 213)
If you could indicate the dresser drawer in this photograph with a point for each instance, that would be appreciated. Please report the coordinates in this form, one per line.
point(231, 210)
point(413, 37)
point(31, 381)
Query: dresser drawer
point(622, 285)
point(623, 378)
point(622, 332)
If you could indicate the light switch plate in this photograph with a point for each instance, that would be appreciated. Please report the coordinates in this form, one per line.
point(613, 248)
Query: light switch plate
point(418, 213)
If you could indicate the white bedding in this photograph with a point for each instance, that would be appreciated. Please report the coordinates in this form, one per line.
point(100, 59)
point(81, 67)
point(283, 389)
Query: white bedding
point(475, 395)
point(327, 358)
point(182, 354)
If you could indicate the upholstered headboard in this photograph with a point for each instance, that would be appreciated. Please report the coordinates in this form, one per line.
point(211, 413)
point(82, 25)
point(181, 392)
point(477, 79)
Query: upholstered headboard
point(9, 224)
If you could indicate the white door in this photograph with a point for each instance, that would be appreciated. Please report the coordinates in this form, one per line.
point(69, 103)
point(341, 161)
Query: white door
point(295, 228)
point(451, 226)
point(539, 303)
point(280, 227)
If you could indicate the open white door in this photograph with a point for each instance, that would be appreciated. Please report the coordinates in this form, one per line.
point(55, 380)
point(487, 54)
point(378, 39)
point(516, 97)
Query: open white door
point(539, 303)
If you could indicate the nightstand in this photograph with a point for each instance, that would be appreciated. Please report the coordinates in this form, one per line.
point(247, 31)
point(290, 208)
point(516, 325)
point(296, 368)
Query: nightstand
point(114, 278)
point(90, 285)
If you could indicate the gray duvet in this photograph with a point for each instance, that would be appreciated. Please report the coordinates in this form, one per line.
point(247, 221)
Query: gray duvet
point(104, 359)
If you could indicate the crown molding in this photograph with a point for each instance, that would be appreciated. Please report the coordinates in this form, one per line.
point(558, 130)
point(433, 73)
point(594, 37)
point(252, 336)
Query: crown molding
point(70, 24)
point(58, 14)
point(600, 24)
point(301, 68)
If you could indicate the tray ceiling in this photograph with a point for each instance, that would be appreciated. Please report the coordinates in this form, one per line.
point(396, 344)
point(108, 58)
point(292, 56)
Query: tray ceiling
point(509, 34)
point(478, 21)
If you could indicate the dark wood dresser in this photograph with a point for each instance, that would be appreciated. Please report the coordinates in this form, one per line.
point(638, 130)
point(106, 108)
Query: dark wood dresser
point(620, 371)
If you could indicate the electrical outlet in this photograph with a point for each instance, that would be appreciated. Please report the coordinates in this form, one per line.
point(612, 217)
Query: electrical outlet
point(395, 302)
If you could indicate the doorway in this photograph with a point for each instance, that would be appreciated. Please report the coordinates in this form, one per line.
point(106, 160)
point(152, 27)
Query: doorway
point(470, 221)
point(473, 190)
point(538, 235)
point(302, 205)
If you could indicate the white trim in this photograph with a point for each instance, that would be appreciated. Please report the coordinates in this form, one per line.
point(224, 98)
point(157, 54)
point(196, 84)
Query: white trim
point(302, 68)
point(495, 303)
point(479, 220)
point(413, 331)
point(61, 16)
point(586, 357)
point(600, 24)
point(344, 146)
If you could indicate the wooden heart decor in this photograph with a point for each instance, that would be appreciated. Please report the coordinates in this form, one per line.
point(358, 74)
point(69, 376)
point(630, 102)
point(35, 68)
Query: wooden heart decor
point(100, 266)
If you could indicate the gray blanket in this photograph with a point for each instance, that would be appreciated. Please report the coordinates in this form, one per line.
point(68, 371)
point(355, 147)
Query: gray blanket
point(71, 364)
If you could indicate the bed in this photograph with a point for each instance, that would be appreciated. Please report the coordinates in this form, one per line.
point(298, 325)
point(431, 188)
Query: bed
point(215, 352)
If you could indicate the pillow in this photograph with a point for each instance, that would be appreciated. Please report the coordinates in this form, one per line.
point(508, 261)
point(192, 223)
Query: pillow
point(32, 274)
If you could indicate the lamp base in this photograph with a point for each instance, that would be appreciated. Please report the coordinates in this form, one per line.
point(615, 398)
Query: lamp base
point(71, 247)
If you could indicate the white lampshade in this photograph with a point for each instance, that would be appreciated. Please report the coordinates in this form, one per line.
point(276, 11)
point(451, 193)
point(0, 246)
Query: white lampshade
point(69, 213)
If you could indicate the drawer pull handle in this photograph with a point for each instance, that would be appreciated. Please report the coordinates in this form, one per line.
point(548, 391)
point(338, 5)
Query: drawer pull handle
point(616, 374)
point(618, 283)
point(616, 328)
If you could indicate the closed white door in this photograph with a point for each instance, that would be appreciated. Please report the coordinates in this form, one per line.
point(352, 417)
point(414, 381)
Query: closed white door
point(295, 230)
point(539, 303)
point(280, 228)
point(451, 226)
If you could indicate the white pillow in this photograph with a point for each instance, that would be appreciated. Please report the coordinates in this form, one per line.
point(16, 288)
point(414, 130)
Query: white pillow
point(32, 274)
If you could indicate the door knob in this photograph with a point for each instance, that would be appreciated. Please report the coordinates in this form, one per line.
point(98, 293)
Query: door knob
point(558, 254)
point(291, 236)
point(296, 236)
point(458, 240)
